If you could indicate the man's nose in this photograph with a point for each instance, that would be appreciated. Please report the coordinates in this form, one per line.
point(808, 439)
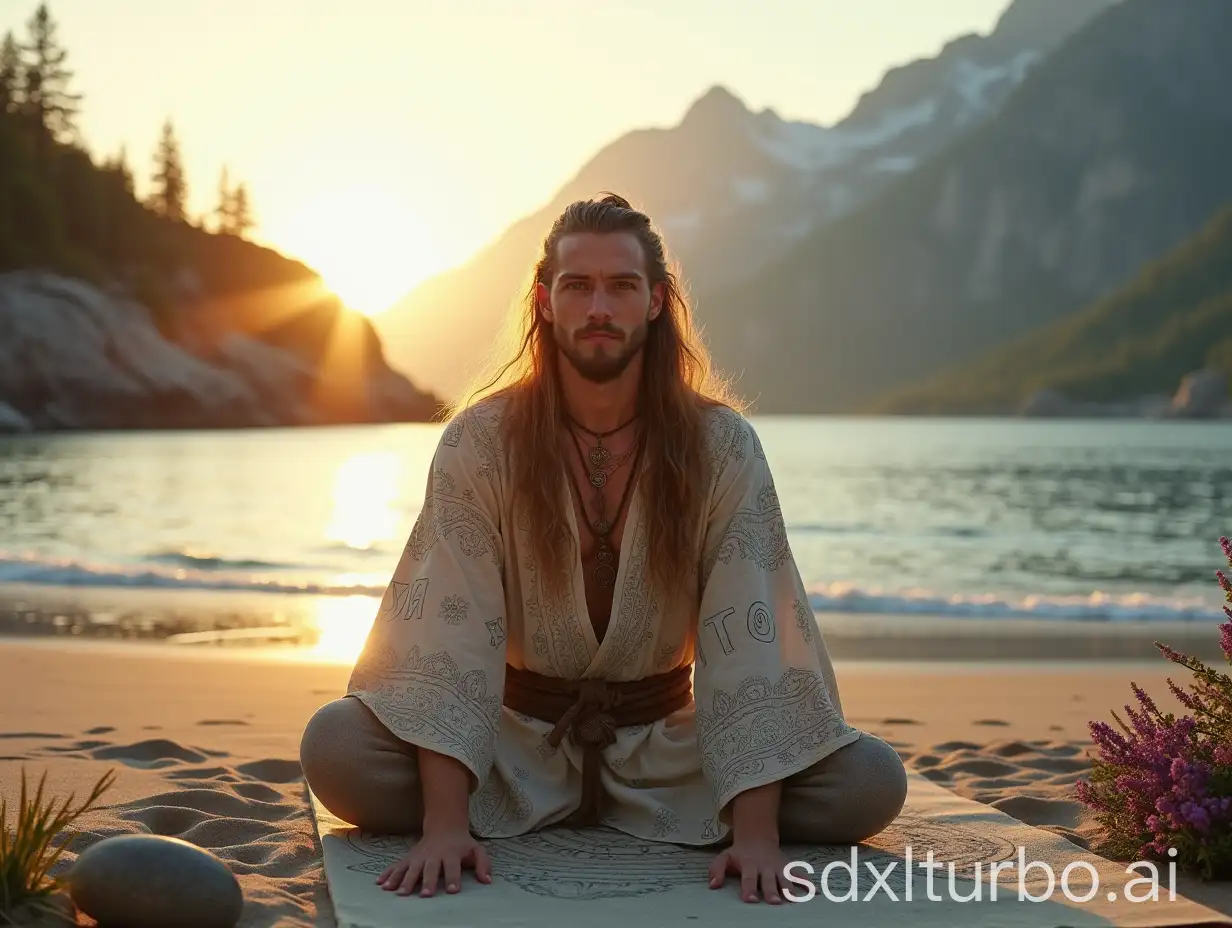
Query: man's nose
point(600, 308)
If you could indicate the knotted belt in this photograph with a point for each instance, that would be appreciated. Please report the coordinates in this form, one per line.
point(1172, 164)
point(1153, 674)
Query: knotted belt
point(590, 711)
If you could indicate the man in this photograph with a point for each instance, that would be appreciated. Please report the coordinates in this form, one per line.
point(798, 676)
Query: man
point(597, 618)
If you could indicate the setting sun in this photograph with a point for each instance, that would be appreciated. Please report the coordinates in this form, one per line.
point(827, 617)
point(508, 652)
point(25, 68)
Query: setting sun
point(366, 241)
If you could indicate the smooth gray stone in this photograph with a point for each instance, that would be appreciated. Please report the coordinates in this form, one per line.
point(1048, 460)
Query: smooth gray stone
point(153, 881)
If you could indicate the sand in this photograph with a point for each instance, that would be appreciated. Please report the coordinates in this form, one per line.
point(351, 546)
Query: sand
point(205, 743)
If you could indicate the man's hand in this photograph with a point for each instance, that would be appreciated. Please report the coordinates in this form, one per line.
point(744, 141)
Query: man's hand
point(758, 862)
point(440, 852)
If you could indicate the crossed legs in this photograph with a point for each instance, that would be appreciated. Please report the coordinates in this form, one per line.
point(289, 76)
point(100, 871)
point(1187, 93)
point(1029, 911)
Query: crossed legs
point(369, 777)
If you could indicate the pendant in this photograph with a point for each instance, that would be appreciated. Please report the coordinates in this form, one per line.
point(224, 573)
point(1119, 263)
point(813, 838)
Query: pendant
point(599, 455)
point(602, 527)
point(604, 556)
point(598, 479)
point(604, 575)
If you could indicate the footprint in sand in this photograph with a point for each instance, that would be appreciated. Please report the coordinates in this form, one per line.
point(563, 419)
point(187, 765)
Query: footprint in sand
point(79, 746)
point(201, 773)
point(258, 791)
point(1036, 811)
point(222, 722)
point(101, 730)
point(998, 722)
point(272, 770)
point(948, 746)
point(153, 754)
point(1058, 764)
point(898, 721)
point(30, 734)
point(980, 767)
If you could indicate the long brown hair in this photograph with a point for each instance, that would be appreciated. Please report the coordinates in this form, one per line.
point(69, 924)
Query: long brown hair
point(678, 382)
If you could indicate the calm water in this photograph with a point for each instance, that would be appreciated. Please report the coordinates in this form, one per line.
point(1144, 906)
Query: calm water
point(962, 517)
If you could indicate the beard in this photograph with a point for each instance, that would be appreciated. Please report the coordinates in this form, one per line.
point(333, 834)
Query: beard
point(609, 359)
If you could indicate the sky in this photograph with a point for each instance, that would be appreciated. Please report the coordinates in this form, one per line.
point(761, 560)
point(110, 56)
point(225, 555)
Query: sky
point(385, 140)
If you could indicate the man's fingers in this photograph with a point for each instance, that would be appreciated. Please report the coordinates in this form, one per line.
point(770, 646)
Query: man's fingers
point(784, 882)
point(409, 878)
point(390, 871)
point(431, 870)
point(770, 885)
point(748, 883)
point(483, 866)
point(453, 873)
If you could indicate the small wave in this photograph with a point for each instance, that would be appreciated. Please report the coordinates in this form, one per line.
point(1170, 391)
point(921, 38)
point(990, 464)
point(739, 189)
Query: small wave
point(44, 571)
point(212, 562)
point(940, 531)
point(1095, 607)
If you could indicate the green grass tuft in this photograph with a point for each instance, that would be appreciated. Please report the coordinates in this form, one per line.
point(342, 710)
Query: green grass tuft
point(27, 853)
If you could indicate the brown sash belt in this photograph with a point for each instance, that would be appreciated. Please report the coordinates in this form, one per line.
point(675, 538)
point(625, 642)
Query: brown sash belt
point(591, 711)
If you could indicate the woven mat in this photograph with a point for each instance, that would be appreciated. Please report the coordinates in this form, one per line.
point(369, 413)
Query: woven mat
point(611, 880)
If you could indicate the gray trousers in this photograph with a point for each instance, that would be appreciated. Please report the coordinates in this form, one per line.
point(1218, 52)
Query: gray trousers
point(367, 776)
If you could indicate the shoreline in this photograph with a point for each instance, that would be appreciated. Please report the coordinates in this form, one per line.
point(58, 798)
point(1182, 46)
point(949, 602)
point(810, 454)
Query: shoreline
point(335, 626)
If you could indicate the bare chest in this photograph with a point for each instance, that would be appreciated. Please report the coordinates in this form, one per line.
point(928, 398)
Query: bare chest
point(600, 490)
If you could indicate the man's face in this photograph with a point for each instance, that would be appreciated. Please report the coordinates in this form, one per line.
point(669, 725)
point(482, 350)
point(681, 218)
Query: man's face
point(600, 302)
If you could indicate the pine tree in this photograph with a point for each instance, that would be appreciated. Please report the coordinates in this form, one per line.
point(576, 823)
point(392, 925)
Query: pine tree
point(47, 101)
point(222, 212)
point(118, 165)
point(170, 194)
point(241, 211)
point(233, 215)
point(10, 74)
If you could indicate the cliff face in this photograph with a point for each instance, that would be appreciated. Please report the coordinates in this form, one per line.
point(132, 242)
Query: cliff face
point(1159, 344)
point(1112, 152)
point(73, 356)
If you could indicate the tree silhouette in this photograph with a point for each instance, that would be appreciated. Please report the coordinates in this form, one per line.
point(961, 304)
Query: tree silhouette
point(118, 165)
point(46, 99)
point(233, 215)
point(241, 211)
point(170, 193)
point(10, 74)
point(222, 212)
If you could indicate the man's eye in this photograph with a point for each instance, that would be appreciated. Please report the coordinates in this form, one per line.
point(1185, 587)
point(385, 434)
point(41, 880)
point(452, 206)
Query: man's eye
point(575, 285)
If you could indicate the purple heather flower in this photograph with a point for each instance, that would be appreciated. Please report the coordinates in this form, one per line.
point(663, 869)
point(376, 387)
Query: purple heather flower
point(1225, 636)
point(1227, 547)
point(1184, 697)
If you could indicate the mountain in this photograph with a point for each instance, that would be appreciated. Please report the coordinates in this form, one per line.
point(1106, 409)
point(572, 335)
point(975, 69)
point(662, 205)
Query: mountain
point(1110, 153)
point(733, 189)
point(1173, 319)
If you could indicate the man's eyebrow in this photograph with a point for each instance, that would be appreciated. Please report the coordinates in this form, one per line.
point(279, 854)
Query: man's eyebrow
point(619, 275)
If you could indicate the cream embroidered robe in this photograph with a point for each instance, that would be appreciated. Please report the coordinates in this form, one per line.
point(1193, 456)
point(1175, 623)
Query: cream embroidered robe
point(465, 598)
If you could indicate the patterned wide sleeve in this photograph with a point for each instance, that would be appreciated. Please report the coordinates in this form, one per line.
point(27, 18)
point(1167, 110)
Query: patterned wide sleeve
point(767, 701)
point(433, 666)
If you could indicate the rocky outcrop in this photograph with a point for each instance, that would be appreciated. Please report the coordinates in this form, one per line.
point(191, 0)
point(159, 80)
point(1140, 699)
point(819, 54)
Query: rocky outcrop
point(11, 420)
point(75, 357)
point(1202, 395)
